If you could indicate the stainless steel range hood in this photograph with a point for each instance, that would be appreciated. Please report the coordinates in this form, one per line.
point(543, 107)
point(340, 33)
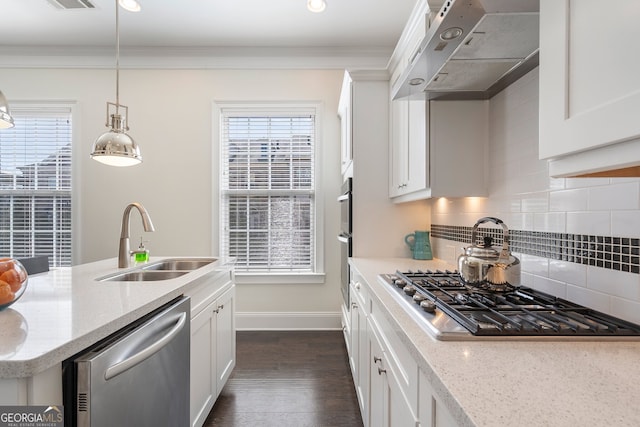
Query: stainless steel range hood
point(472, 50)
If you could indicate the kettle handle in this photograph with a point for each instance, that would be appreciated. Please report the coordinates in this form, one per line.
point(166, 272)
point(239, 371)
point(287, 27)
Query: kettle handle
point(505, 240)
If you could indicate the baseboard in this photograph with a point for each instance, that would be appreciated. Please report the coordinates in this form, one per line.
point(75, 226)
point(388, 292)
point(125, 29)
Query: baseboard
point(275, 321)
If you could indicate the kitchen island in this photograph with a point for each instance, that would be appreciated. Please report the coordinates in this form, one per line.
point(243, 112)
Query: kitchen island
point(66, 310)
point(558, 382)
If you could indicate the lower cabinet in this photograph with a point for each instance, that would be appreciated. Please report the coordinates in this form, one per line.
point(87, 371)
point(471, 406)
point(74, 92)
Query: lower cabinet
point(388, 407)
point(213, 351)
point(432, 412)
point(392, 390)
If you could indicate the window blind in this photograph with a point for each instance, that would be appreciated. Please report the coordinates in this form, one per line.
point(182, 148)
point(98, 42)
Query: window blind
point(268, 189)
point(35, 185)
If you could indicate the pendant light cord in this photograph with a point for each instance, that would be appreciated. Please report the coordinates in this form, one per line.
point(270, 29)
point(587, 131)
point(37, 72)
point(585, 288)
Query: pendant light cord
point(117, 60)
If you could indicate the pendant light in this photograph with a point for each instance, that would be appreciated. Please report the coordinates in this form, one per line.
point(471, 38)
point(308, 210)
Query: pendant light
point(6, 121)
point(115, 147)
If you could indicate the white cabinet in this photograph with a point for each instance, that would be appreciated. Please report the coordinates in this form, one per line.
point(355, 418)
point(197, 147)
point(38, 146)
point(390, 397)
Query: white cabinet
point(358, 344)
point(344, 112)
point(388, 406)
point(213, 349)
point(408, 155)
point(589, 86)
point(431, 410)
point(438, 149)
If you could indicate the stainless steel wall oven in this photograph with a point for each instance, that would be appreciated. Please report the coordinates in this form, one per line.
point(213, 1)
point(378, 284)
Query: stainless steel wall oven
point(345, 237)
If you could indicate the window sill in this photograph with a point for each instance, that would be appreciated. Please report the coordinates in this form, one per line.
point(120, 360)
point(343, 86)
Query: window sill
point(278, 278)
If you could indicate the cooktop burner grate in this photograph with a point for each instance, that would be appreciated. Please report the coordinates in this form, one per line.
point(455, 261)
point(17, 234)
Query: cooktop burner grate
point(514, 312)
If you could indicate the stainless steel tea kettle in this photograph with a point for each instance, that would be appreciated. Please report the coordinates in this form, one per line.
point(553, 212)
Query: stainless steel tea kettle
point(484, 266)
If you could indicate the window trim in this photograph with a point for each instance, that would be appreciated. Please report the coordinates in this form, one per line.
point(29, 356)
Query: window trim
point(276, 277)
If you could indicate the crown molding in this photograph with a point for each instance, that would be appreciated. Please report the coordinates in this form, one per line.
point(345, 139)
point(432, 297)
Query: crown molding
point(223, 57)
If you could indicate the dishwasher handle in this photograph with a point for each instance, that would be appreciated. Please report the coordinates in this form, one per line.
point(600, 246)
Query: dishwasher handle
point(130, 362)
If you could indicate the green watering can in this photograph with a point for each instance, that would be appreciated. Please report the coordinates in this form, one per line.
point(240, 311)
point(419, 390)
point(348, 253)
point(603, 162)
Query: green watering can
point(419, 243)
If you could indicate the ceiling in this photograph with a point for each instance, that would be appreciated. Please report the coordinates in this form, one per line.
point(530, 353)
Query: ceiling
point(345, 25)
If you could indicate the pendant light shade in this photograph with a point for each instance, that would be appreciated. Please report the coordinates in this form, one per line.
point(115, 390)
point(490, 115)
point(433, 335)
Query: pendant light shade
point(6, 121)
point(115, 147)
point(316, 5)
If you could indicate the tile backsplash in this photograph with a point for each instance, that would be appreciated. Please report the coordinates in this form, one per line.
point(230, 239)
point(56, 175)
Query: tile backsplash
point(577, 238)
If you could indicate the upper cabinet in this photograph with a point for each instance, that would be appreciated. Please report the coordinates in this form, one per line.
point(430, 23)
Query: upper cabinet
point(589, 87)
point(438, 149)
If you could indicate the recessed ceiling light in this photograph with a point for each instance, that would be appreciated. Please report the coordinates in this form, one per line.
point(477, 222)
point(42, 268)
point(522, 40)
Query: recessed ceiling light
point(316, 5)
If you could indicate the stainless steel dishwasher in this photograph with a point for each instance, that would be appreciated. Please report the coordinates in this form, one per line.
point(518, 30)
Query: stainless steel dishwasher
point(137, 377)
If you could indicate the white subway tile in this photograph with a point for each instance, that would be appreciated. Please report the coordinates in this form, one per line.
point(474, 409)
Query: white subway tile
point(594, 300)
point(570, 272)
point(625, 223)
point(625, 309)
point(618, 283)
point(568, 200)
point(553, 287)
point(534, 265)
point(535, 202)
point(585, 182)
point(594, 223)
point(614, 197)
point(551, 222)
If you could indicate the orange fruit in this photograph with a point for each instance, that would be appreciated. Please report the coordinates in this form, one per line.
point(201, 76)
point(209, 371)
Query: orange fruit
point(14, 278)
point(6, 264)
point(6, 294)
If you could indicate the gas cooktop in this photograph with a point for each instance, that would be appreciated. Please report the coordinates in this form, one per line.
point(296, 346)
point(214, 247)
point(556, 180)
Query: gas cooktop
point(451, 310)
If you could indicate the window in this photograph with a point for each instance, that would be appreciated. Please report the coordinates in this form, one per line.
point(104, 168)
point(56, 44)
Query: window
point(268, 189)
point(35, 184)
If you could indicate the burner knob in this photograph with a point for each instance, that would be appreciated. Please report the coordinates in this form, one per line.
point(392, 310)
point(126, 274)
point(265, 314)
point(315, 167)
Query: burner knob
point(428, 306)
point(409, 290)
point(400, 283)
point(418, 297)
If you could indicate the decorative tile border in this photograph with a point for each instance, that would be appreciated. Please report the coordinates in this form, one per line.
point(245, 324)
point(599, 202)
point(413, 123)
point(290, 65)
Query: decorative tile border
point(615, 253)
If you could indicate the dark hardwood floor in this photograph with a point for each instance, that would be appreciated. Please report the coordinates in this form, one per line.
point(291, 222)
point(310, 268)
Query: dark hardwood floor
point(288, 379)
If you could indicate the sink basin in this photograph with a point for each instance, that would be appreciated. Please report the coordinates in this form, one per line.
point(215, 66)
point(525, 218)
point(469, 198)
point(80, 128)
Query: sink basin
point(179, 264)
point(142, 276)
point(161, 270)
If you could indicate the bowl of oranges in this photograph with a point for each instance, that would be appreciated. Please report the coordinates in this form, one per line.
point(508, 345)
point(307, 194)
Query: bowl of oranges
point(13, 281)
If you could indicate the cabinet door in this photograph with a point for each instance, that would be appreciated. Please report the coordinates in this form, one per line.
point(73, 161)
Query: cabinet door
point(409, 157)
point(203, 377)
point(589, 86)
point(379, 386)
point(399, 147)
point(431, 410)
point(225, 338)
point(417, 153)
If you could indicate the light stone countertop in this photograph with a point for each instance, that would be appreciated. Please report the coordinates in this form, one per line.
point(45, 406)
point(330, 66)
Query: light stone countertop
point(66, 310)
point(517, 382)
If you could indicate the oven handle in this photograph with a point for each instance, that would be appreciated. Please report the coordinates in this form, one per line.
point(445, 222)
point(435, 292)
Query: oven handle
point(343, 238)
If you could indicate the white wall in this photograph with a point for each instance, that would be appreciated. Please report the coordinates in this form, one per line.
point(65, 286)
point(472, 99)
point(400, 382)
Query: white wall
point(525, 198)
point(170, 114)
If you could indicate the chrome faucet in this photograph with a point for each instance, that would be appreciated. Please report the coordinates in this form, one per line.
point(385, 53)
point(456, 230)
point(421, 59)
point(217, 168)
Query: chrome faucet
point(124, 253)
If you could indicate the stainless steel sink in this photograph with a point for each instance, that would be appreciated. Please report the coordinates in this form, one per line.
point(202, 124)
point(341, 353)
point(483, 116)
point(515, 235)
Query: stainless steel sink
point(179, 264)
point(161, 270)
point(142, 276)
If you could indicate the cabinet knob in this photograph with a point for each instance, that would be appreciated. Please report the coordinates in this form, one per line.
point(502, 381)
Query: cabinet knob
point(357, 285)
point(381, 371)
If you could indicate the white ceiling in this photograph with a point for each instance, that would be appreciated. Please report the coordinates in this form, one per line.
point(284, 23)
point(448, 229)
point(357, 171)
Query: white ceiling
point(347, 25)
